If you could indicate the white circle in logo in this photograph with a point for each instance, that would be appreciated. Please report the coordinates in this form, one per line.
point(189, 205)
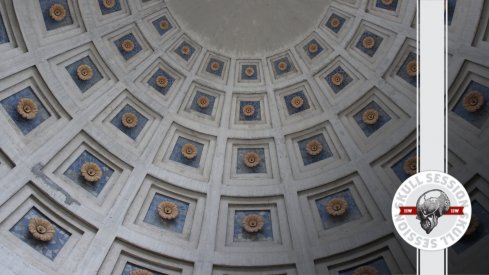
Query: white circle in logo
point(431, 210)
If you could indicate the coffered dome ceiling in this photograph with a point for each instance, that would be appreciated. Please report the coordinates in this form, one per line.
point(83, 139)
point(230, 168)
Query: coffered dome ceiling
point(205, 137)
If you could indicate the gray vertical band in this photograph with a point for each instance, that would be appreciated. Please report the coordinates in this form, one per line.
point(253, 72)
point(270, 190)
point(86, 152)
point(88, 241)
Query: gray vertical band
point(432, 108)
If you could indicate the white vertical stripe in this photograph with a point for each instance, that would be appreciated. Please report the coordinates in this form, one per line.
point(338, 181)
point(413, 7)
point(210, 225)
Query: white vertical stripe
point(432, 106)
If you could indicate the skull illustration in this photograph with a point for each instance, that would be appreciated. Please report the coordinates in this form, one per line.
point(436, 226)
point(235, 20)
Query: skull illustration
point(430, 206)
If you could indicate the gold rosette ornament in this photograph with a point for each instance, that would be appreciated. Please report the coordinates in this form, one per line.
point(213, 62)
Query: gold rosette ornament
point(248, 110)
point(412, 68)
point(297, 102)
point(164, 24)
point(127, 45)
point(41, 229)
point(337, 206)
point(313, 48)
point(167, 210)
point(84, 72)
point(368, 42)
point(185, 50)
point(314, 147)
point(253, 223)
point(91, 172)
point(370, 116)
point(203, 102)
point(473, 101)
point(215, 66)
point(282, 66)
point(57, 12)
point(108, 4)
point(337, 79)
point(161, 81)
point(141, 272)
point(365, 270)
point(335, 22)
point(410, 165)
point(129, 120)
point(249, 71)
point(27, 108)
point(251, 159)
point(189, 151)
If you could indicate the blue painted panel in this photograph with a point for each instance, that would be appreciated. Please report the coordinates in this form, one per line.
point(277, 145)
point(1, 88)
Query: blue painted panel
point(346, 79)
point(187, 56)
point(162, 90)
point(331, 18)
point(398, 167)
point(310, 54)
point(370, 52)
point(378, 264)
point(325, 153)
point(73, 173)
point(478, 118)
point(369, 129)
point(278, 72)
point(49, 249)
point(84, 85)
point(352, 213)
point(391, 7)
point(240, 235)
point(135, 51)
point(176, 154)
point(208, 109)
point(129, 267)
point(48, 21)
point(244, 76)
point(156, 24)
point(482, 231)
point(241, 166)
point(256, 115)
point(217, 72)
point(175, 225)
point(25, 125)
point(130, 132)
point(403, 73)
point(451, 4)
point(290, 109)
point(3, 32)
point(115, 8)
